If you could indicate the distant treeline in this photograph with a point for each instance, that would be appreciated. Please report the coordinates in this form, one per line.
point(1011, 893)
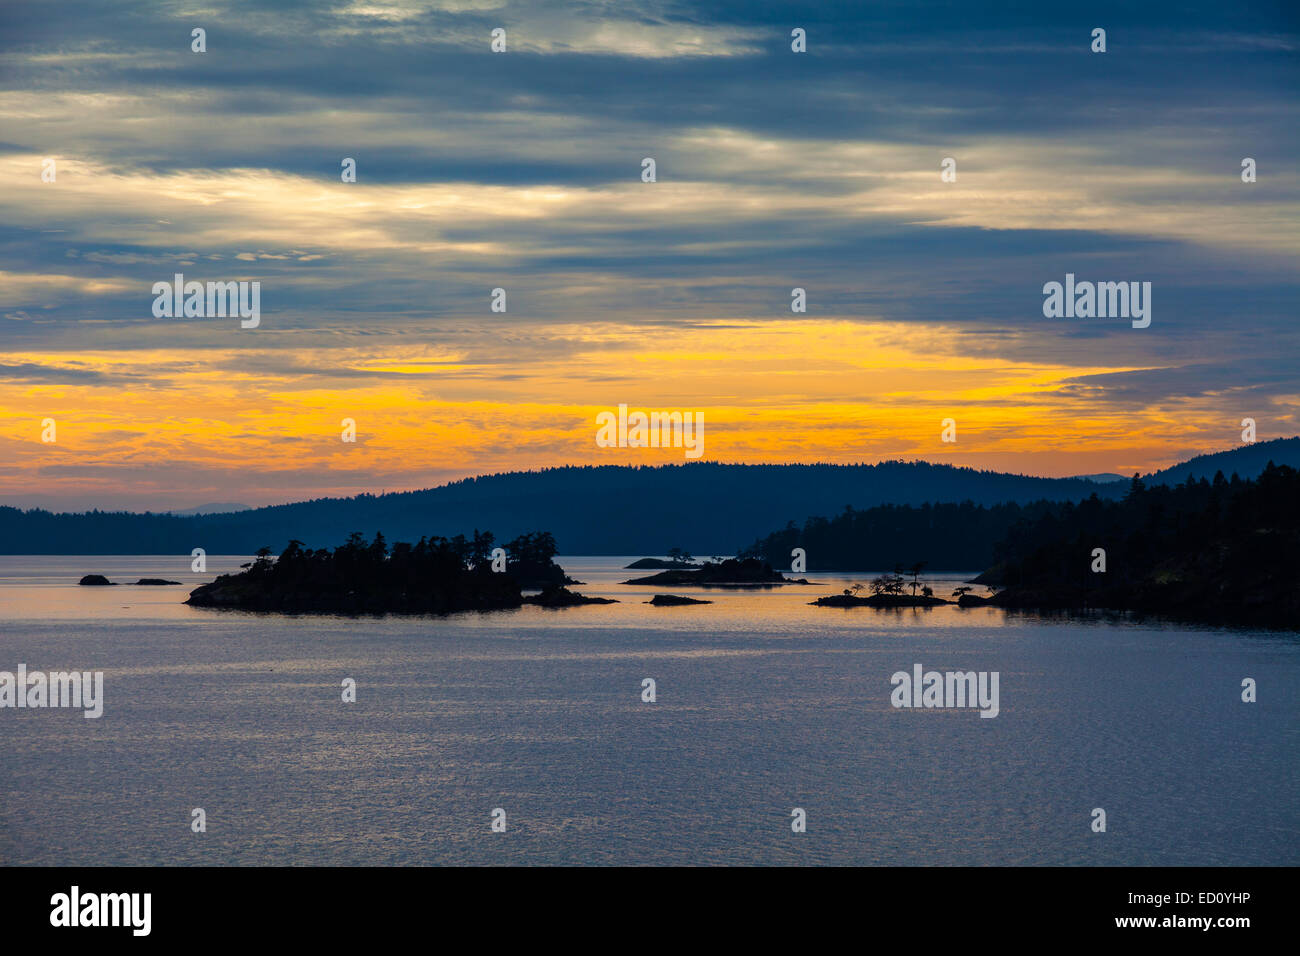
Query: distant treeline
point(971, 537)
point(946, 537)
point(102, 532)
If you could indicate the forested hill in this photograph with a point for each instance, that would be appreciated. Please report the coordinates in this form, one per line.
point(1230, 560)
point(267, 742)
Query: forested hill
point(704, 507)
point(1246, 461)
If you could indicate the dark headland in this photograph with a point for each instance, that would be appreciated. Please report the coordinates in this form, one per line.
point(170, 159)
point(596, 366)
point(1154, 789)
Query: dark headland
point(1225, 551)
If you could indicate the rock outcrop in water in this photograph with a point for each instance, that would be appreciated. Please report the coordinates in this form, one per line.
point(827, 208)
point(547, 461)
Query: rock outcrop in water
point(656, 564)
point(563, 597)
point(674, 600)
point(888, 590)
point(98, 580)
point(748, 572)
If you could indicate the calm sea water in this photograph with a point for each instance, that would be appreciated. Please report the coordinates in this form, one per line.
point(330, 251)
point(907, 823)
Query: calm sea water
point(764, 704)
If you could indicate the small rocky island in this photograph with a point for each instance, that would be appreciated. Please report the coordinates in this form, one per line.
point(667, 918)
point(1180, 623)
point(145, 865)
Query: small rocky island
point(677, 558)
point(434, 576)
point(888, 591)
point(731, 573)
point(563, 597)
point(658, 564)
point(99, 581)
point(849, 599)
point(674, 600)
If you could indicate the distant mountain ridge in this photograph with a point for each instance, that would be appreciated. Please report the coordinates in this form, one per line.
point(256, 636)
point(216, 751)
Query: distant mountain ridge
point(705, 507)
point(1248, 461)
point(216, 507)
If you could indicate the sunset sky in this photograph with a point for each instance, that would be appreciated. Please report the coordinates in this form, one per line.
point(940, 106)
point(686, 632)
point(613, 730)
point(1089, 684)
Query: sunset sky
point(522, 170)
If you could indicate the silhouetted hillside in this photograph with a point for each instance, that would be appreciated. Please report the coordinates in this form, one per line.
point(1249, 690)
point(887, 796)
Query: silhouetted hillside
point(1245, 461)
point(704, 507)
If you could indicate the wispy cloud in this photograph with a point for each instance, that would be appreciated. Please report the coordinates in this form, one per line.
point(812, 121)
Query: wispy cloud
point(521, 170)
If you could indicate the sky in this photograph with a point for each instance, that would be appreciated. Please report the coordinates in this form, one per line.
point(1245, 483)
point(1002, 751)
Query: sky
point(523, 170)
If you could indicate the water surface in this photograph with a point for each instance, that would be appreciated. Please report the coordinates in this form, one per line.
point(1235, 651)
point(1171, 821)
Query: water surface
point(764, 704)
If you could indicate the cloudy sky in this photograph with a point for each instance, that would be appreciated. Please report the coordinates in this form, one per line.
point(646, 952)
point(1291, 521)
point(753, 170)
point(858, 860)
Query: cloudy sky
point(522, 170)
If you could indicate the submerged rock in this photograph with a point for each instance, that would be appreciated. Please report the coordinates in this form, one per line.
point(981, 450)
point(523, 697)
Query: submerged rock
point(672, 600)
point(155, 581)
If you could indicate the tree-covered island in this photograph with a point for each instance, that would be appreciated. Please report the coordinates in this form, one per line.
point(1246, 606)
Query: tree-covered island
point(434, 576)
